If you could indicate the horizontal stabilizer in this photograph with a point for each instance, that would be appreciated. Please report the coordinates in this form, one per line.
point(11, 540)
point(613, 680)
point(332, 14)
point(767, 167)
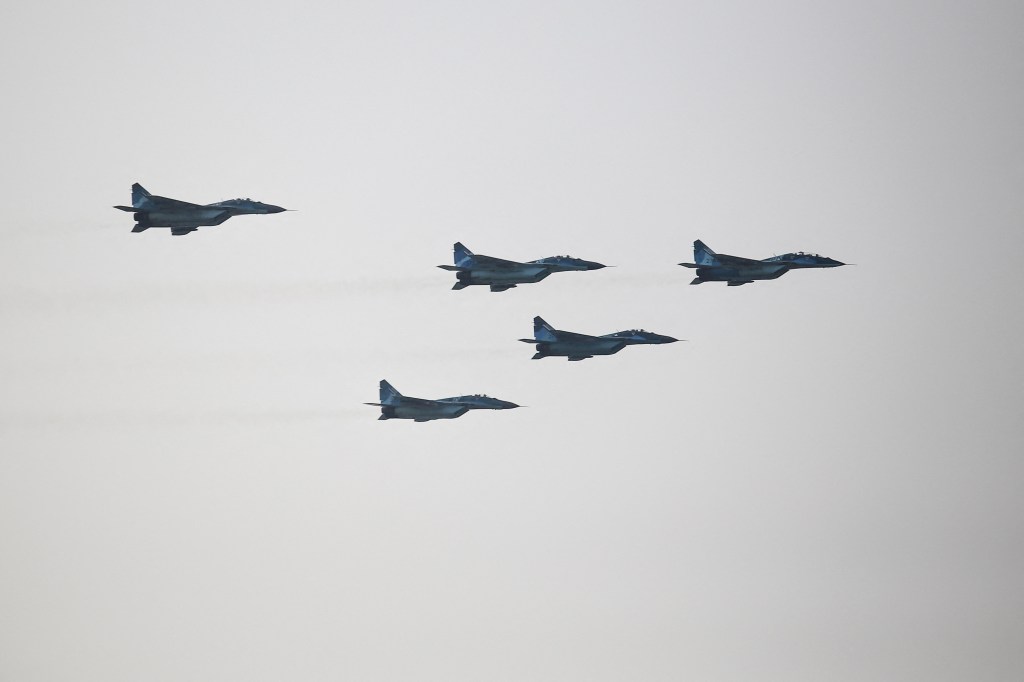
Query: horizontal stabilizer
point(689, 265)
point(698, 280)
point(459, 285)
point(140, 227)
point(130, 209)
point(538, 356)
point(450, 268)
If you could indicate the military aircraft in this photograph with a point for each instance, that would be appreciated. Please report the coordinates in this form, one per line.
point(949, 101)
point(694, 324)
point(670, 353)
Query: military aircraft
point(554, 342)
point(183, 217)
point(471, 268)
point(394, 405)
point(718, 267)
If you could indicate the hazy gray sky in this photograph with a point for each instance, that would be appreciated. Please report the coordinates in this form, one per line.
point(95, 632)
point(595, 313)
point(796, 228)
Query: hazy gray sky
point(824, 483)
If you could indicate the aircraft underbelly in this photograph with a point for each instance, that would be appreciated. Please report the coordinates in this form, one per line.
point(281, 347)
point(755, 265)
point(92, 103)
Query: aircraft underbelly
point(429, 412)
point(725, 273)
point(519, 276)
point(187, 218)
point(587, 348)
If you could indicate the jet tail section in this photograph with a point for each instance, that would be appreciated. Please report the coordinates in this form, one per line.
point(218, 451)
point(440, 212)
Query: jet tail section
point(542, 331)
point(703, 255)
point(389, 395)
point(139, 195)
point(463, 256)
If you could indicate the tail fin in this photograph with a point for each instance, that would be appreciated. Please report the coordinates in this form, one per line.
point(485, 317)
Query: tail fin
point(139, 195)
point(389, 395)
point(463, 256)
point(542, 331)
point(702, 255)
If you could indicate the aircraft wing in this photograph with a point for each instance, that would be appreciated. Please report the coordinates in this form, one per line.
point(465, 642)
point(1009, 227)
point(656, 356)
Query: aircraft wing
point(165, 204)
point(406, 400)
point(573, 336)
point(725, 259)
point(491, 263)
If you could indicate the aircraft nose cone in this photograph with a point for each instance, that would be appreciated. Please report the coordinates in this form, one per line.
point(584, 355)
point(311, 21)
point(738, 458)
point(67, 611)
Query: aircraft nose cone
point(275, 209)
point(667, 339)
point(594, 266)
point(506, 405)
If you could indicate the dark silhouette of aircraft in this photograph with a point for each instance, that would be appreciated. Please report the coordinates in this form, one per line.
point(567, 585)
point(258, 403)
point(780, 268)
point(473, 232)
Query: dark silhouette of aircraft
point(471, 268)
point(394, 405)
point(555, 342)
point(719, 267)
point(183, 217)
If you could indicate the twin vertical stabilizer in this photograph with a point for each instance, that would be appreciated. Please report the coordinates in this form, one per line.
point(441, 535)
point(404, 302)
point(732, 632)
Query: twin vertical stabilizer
point(389, 395)
point(702, 255)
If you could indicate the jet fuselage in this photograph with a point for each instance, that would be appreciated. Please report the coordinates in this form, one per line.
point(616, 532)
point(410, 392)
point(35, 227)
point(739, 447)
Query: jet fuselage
point(193, 218)
point(724, 273)
point(423, 412)
point(183, 217)
point(394, 405)
point(501, 275)
point(575, 346)
point(155, 215)
point(579, 349)
point(523, 275)
point(736, 270)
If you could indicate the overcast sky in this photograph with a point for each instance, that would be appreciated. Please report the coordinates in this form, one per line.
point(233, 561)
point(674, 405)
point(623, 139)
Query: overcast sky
point(823, 483)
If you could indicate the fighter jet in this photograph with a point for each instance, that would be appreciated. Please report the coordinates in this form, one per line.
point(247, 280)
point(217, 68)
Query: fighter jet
point(471, 268)
point(554, 342)
point(394, 405)
point(183, 217)
point(718, 267)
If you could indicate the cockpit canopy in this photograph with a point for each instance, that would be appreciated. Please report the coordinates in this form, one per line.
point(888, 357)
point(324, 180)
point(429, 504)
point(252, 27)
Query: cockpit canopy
point(794, 256)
